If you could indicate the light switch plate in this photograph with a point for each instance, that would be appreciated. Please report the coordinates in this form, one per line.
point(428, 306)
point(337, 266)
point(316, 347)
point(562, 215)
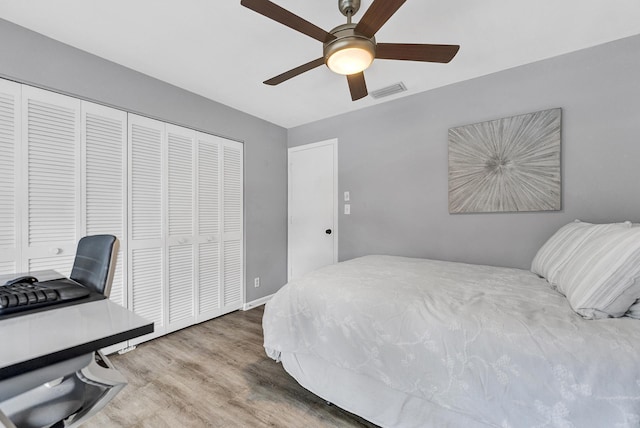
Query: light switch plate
point(346, 196)
point(347, 209)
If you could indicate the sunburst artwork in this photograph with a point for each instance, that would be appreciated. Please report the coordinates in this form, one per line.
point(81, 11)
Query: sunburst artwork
point(506, 165)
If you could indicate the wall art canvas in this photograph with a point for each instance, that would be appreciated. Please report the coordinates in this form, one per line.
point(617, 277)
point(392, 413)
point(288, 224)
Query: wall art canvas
point(506, 165)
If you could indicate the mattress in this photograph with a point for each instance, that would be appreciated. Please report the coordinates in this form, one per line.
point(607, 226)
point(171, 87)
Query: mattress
point(415, 342)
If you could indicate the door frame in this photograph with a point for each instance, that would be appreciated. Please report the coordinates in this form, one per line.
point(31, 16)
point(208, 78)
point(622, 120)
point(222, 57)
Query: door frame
point(334, 143)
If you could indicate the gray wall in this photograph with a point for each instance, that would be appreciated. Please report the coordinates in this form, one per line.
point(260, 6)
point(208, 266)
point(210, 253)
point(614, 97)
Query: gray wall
point(31, 58)
point(393, 158)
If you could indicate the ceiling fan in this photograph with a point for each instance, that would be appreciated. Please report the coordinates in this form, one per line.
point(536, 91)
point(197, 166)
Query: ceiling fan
point(350, 48)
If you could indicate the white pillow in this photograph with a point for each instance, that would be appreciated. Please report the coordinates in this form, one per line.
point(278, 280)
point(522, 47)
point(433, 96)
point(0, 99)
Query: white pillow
point(602, 279)
point(558, 249)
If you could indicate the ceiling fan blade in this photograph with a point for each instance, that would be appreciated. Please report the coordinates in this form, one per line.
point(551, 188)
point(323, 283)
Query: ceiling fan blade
point(357, 86)
point(283, 16)
point(416, 52)
point(378, 13)
point(294, 72)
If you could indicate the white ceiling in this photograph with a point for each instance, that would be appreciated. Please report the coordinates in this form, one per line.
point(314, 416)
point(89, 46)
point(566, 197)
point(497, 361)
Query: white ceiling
point(223, 51)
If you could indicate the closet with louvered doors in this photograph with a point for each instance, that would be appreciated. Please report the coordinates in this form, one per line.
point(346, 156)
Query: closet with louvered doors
point(219, 226)
point(186, 236)
point(173, 197)
point(204, 226)
point(63, 172)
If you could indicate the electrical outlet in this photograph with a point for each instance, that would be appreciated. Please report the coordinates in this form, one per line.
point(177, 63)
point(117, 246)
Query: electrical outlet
point(256, 282)
point(347, 209)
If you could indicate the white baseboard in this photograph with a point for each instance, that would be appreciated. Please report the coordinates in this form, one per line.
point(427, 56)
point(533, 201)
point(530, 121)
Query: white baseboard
point(256, 303)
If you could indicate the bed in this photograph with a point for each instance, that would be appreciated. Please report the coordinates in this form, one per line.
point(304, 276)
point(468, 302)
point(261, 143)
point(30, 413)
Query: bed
point(407, 342)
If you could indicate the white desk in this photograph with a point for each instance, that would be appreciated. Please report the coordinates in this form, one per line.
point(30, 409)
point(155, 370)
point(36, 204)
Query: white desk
point(60, 337)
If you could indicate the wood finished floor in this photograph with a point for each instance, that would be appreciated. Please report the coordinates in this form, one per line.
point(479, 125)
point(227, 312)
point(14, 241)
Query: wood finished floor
point(215, 374)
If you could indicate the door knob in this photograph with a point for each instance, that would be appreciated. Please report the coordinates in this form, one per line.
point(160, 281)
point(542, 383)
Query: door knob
point(328, 231)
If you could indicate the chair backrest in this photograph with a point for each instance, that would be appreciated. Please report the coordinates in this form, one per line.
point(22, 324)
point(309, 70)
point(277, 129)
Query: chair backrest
point(95, 262)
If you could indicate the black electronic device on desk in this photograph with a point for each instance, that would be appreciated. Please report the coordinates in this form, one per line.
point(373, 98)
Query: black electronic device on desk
point(26, 294)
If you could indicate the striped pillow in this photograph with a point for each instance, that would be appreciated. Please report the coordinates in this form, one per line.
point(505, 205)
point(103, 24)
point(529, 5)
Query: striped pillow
point(558, 249)
point(602, 279)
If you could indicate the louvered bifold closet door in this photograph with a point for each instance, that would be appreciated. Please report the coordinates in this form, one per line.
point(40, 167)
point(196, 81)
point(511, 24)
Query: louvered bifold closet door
point(209, 242)
point(10, 182)
point(51, 147)
point(104, 151)
point(181, 243)
point(146, 206)
point(232, 236)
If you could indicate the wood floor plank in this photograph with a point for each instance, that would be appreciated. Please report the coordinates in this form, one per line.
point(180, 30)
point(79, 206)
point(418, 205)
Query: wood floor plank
point(214, 374)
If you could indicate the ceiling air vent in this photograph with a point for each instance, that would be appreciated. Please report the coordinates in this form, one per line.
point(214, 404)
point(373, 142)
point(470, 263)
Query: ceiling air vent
point(389, 90)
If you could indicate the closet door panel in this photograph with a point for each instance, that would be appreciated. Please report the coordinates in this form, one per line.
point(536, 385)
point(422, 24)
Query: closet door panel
point(232, 189)
point(232, 273)
point(180, 143)
point(209, 187)
point(145, 156)
point(181, 284)
point(51, 147)
point(60, 263)
point(232, 237)
point(146, 293)
point(209, 280)
point(10, 190)
point(146, 274)
point(181, 211)
point(104, 138)
point(209, 217)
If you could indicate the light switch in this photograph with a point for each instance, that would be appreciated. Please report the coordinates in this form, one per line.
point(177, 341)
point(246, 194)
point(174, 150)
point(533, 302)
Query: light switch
point(346, 196)
point(347, 209)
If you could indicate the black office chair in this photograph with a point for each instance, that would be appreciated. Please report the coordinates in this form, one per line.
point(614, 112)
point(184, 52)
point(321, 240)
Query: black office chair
point(74, 398)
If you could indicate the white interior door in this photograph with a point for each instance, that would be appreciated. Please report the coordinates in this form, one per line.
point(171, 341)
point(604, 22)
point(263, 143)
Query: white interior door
point(313, 202)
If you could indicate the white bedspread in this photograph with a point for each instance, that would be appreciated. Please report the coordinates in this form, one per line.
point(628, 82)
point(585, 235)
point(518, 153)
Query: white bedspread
point(495, 345)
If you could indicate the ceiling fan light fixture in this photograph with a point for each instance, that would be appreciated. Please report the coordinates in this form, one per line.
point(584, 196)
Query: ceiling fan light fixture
point(350, 60)
point(349, 53)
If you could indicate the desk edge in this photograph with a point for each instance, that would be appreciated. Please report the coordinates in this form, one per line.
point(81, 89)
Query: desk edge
point(65, 354)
